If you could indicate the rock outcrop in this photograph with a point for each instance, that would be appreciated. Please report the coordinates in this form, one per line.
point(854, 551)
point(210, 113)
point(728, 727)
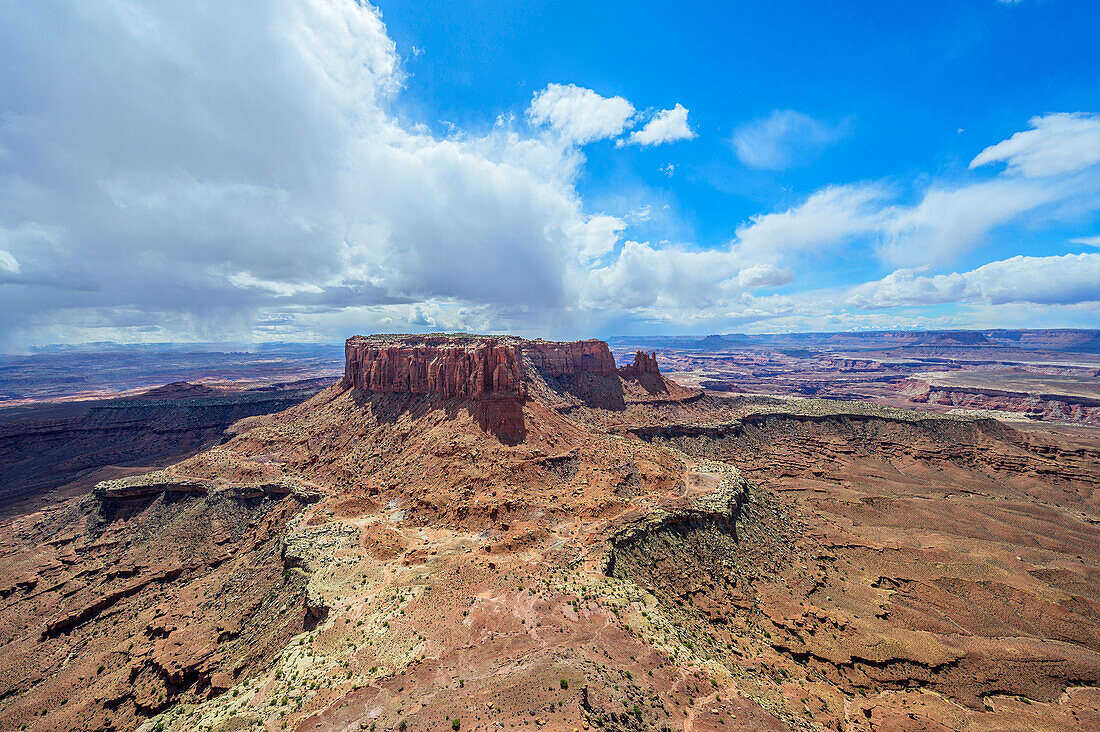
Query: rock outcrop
point(44, 447)
point(644, 363)
point(496, 376)
point(570, 358)
point(447, 366)
point(1037, 405)
point(467, 367)
point(376, 557)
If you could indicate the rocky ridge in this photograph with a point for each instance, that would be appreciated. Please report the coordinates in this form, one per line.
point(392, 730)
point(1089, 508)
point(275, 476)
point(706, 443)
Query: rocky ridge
point(1032, 405)
point(52, 449)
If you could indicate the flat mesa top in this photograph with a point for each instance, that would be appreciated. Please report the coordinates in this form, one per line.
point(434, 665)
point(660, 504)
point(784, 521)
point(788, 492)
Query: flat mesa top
point(446, 339)
point(426, 338)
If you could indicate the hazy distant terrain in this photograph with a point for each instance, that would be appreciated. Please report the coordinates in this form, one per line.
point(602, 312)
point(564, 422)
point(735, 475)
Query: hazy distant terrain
point(1053, 372)
point(69, 373)
point(1037, 375)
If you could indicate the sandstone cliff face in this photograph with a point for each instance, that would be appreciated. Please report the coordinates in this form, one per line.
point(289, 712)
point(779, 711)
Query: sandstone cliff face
point(570, 359)
point(644, 363)
point(467, 367)
point(47, 446)
point(497, 376)
point(492, 374)
point(1068, 407)
point(451, 368)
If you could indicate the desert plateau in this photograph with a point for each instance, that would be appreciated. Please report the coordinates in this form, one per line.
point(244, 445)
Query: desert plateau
point(393, 366)
point(475, 532)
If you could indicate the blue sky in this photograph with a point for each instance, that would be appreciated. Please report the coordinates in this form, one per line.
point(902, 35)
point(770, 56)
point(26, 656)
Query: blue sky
point(895, 80)
point(311, 168)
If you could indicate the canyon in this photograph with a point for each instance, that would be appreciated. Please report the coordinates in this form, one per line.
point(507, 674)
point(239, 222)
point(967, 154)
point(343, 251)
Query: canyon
point(53, 450)
point(486, 532)
point(1049, 376)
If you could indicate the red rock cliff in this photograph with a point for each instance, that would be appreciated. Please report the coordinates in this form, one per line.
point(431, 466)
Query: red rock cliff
point(644, 363)
point(570, 358)
point(449, 366)
point(466, 367)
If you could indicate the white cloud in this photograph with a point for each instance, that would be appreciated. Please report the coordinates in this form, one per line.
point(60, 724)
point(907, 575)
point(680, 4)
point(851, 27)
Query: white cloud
point(763, 275)
point(1092, 241)
point(948, 222)
point(242, 170)
point(232, 167)
point(783, 139)
point(8, 263)
point(645, 275)
point(227, 162)
point(676, 281)
point(943, 224)
point(668, 125)
point(580, 115)
point(598, 235)
point(1055, 280)
point(828, 217)
point(1057, 144)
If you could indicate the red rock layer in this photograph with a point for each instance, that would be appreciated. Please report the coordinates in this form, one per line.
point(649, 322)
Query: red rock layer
point(570, 358)
point(644, 363)
point(1060, 407)
point(466, 367)
point(459, 368)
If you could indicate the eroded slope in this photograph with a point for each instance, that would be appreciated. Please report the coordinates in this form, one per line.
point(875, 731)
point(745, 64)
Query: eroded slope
point(643, 558)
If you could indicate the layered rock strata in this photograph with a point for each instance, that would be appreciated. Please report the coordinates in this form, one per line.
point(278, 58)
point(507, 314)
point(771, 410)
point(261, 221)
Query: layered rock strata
point(451, 367)
point(558, 359)
point(468, 367)
point(644, 363)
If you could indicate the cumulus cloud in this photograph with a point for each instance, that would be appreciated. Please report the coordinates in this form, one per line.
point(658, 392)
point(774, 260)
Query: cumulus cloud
point(831, 216)
point(679, 284)
point(598, 235)
point(668, 125)
point(580, 115)
point(951, 221)
point(783, 139)
point(674, 279)
point(764, 275)
point(1057, 144)
point(226, 162)
point(8, 263)
point(1055, 280)
point(174, 171)
point(944, 222)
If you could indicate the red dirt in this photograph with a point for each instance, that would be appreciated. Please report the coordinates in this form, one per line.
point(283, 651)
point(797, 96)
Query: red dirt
point(367, 559)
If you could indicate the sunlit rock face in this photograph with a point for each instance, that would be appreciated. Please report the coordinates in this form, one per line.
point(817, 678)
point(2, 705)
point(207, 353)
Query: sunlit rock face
point(447, 366)
point(644, 363)
point(570, 358)
point(465, 367)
